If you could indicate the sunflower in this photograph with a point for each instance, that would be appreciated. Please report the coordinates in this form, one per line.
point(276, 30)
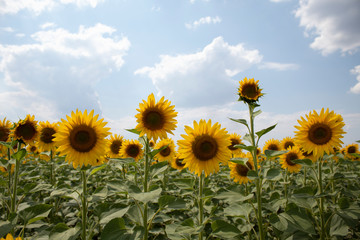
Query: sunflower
point(239, 171)
point(320, 133)
point(286, 160)
point(46, 136)
point(151, 143)
point(26, 130)
point(308, 155)
point(5, 126)
point(249, 90)
point(156, 119)
point(272, 144)
point(32, 149)
point(10, 237)
point(168, 152)
point(132, 149)
point(235, 139)
point(177, 162)
point(82, 138)
point(286, 143)
point(204, 146)
point(351, 148)
point(115, 144)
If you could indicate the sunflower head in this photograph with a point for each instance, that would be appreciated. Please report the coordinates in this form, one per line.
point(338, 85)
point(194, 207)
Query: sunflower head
point(320, 133)
point(272, 144)
point(26, 130)
point(156, 119)
point(287, 142)
point(286, 160)
point(249, 90)
point(46, 136)
point(351, 148)
point(168, 152)
point(151, 143)
point(235, 139)
point(204, 147)
point(177, 162)
point(10, 237)
point(239, 171)
point(5, 126)
point(132, 149)
point(115, 144)
point(82, 138)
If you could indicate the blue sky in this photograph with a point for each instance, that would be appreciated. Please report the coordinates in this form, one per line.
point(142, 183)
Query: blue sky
point(108, 55)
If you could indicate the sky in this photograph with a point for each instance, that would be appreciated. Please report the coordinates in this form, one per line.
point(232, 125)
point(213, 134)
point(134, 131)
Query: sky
point(57, 56)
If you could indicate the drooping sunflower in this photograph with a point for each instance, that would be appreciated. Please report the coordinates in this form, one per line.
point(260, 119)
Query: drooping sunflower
point(286, 143)
point(46, 136)
point(82, 138)
point(168, 152)
point(132, 149)
point(26, 130)
point(249, 90)
point(239, 171)
point(5, 126)
point(156, 119)
point(286, 159)
point(204, 147)
point(272, 144)
point(235, 139)
point(177, 162)
point(115, 143)
point(320, 133)
point(351, 148)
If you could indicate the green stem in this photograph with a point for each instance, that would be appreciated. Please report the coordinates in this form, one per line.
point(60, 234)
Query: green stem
point(201, 203)
point(16, 180)
point(52, 175)
point(84, 204)
point(305, 172)
point(332, 180)
point(146, 178)
point(321, 207)
point(286, 187)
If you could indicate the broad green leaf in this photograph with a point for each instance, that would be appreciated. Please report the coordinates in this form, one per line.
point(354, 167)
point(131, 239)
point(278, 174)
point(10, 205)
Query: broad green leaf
point(34, 213)
point(165, 200)
point(5, 227)
point(19, 154)
point(242, 121)
point(63, 232)
point(258, 112)
point(158, 168)
point(232, 196)
point(133, 131)
point(145, 197)
point(95, 170)
point(121, 160)
point(113, 213)
point(247, 137)
point(264, 131)
point(243, 146)
point(358, 141)
point(156, 151)
point(278, 222)
point(300, 220)
point(224, 230)
point(344, 203)
point(304, 162)
point(238, 209)
point(241, 161)
point(338, 226)
point(356, 155)
point(273, 173)
point(252, 174)
point(114, 230)
point(273, 153)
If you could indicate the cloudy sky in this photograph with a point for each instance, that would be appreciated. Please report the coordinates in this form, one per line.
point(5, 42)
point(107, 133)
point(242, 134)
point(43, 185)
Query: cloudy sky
point(108, 55)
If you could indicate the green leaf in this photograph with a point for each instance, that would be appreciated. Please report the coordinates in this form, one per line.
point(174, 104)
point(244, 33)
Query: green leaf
point(273, 173)
point(272, 153)
point(5, 227)
point(258, 112)
point(121, 160)
point(134, 131)
point(252, 174)
point(305, 162)
point(247, 137)
point(241, 161)
point(338, 226)
point(264, 131)
point(158, 168)
point(147, 196)
point(171, 202)
point(238, 209)
point(113, 213)
point(358, 141)
point(63, 232)
point(95, 170)
point(278, 222)
point(156, 151)
point(165, 200)
point(114, 230)
point(243, 146)
point(19, 154)
point(224, 230)
point(232, 196)
point(35, 213)
point(242, 121)
point(344, 203)
point(300, 220)
point(356, 155)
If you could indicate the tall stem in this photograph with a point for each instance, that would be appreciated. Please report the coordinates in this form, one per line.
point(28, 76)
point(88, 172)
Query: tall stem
point(146, 176)
point(16, 179)
point(321, 207)
point(286, 187)
point(84, 205)
point(201, 203)
point(258, 179)
point(305, 172)
point(52, 176)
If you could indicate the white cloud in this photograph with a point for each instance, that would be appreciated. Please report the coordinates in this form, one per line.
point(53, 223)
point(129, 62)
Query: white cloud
point(202, 21)
point(202, 78)
point(356, 71)
point(57, 73)
point(7, 29)
point(47, 25)
point(279, 66)
point(334, 23)
point(38, 6)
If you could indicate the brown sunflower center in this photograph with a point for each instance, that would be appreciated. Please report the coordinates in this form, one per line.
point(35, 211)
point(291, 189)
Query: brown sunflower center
point(179, 162)
point(233, 143)
point(26, 131)
point(47, 135)
point(320, 134)
point(133, 150)
point(33, 149)
point(83, 138)
point(115, 146)
point(165, 152)
point(204, 147)
point(249, 91)
point(274, 147)
point(153, 119)
point(242, 170)
point(289, 157)
point(351, 149)
point(288, 144)
point(4, 133)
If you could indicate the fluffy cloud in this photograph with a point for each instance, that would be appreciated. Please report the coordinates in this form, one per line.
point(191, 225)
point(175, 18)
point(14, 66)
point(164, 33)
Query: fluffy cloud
point(202, 78)
point(38, 6)
point(356, 71)
point(334, 23)
point(57, 73)
point(202, 21)
point(279, 66)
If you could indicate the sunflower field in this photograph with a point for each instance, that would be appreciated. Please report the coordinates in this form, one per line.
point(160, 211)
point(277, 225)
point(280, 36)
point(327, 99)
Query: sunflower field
point(76, 180)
